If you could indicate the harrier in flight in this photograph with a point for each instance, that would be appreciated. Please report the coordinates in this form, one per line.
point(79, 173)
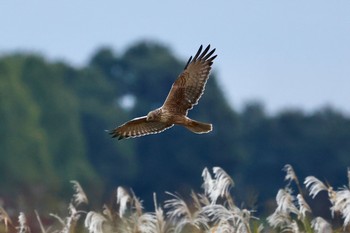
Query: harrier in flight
point(183, 95)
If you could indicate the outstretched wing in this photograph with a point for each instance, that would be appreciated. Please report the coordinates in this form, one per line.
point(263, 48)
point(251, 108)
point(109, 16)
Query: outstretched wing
point(138, 127)
point(190, 85)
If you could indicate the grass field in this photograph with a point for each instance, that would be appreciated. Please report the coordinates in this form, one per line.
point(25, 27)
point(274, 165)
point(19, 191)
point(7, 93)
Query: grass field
point(214, 210)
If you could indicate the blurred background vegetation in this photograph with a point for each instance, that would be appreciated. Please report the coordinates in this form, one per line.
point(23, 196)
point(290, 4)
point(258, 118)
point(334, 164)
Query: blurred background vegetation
point(53, 118)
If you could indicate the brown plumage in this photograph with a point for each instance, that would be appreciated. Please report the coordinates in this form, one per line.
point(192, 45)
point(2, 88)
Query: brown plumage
point(184, 94)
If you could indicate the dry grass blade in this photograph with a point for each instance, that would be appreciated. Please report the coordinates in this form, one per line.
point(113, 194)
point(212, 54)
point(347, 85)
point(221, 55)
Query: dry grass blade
point(160, 226)
point(285, 206)
point(70, 222)
point(196, 201)
point(228, 220)
point(123, 198)
point(40, 222)
point(321, 226)
point(208, 182)
point(79, 197)
point(180, 213)
point(58, 218)
point(147, 223)
point(292, 227)
point(202, 212)
point(285, 200)
point(315, 185)
point(341, 204)
point(223, 182)
point(290, 174)
point(107, 212)
point(278, 219)
point(137, 204)
point(72, 219)
point(94, 222)
point(303, 207)
point(177, 207)
point(217, 187)
point(4, 218)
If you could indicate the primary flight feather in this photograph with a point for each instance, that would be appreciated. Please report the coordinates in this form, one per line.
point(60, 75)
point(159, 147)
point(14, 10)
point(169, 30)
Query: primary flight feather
point(183, 95)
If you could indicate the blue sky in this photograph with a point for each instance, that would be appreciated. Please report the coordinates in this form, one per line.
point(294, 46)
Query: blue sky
point(287, 54)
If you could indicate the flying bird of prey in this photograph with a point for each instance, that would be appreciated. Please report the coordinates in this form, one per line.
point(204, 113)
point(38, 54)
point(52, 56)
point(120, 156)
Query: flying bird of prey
point(183, 95)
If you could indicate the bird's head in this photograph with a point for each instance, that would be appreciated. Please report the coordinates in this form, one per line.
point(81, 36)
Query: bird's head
point(153, 115)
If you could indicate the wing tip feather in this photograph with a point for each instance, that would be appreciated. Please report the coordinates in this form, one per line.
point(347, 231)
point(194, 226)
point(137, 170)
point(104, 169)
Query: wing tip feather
point(188, 62)
point(115, 134)
point(202, 56)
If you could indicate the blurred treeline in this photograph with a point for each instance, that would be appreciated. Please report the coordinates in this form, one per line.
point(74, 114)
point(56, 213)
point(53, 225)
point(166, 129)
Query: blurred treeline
point(53, 118)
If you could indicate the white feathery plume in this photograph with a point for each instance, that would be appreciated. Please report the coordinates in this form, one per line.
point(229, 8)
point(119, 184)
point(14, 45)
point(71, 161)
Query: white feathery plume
point(243, 221)
point(123, 198)
point(285, 206)
point(346, 210)
point(285, 201)
point(303, 207)
point(223, 181)
point(196, 203)
point(22, 220)
point(160, 224)
point(208, 182)
point(218, 212)
point(4, 218)
point(290, 174)
point(178, 209)
point(315, 185)
point(292, 227)
point(217, 187)
point(278, 219)
point(203, 199)
point(341, 204)
point(228, 220)
point(23, 227)
point(321, 226)
point(222, 227)
point(94, 222)
point(79, 196)
point(147, 223)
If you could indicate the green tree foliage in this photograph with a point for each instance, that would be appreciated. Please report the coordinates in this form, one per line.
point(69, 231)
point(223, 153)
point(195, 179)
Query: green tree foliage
point(315, 143)
point(42, 144)
point(53, 119)
point(23, 142)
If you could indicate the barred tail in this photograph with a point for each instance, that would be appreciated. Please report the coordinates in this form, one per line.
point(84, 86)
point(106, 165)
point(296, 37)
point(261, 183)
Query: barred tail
point(199, 127)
